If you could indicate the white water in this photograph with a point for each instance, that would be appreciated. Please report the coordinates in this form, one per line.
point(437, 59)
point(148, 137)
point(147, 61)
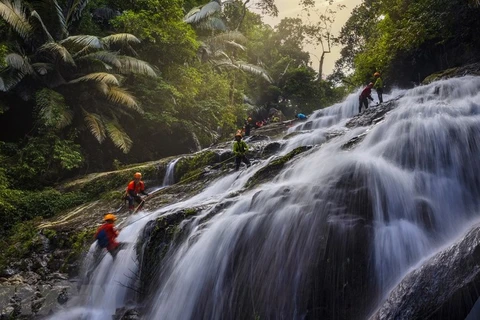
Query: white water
point(170, 173)
point(413, 179)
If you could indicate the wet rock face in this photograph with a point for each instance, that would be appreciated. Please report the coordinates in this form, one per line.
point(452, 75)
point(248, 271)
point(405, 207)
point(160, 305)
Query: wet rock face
point(443, 287)
point(372, 115)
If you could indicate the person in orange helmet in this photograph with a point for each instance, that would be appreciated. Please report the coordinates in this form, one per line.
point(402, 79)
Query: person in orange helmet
point(106, 235)
point(240, 148)
point(134, 189)
point(366, 94)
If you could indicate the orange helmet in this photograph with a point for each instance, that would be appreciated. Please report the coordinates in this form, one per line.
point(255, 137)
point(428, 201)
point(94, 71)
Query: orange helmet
point(376, 74)
point(249, 119)
point(109, 216)
point(137, 175)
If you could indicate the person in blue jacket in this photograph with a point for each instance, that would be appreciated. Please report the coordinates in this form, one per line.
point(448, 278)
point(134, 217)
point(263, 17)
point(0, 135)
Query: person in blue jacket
point(301, 116)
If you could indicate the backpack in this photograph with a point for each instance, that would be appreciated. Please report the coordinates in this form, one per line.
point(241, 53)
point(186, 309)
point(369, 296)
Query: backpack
point(102, 239)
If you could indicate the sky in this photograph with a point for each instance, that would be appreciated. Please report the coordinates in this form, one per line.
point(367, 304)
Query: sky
point(290, 8)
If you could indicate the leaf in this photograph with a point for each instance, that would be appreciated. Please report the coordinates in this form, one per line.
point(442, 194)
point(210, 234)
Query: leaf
point(212, 23)
point(228, 36)
point(53, 110)
point(118, 135)
point(107, 57)
point(206, 11)
point(42, 68)
point(95, 124)
point(74, 10)
point(132, 65)
point(83, 42)
point(236, 45)
point(39, 19)
point(192, 12)
point(98, 77)
point(120, 38)
point(61, 18)
point(18, 62)
point(57, 50)
point(120, 96)
point(254, 70)
point(14, 14)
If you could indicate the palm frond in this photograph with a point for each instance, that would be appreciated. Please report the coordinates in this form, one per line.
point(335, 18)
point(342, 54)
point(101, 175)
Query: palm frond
point(133, 65)
point(18, 62)
point(253, 69)
point(57, 51)
point(74, 10)
point(61, 18)
point(52, 109)
point(11, 77)
point(82, 42)
point(212, 23)
point(14, 14)
point(35, 15)
point(120, 96)
point(95, 124)
point(233, 44)
point(42, 68)
point(120, 39)
point(104, 77)
point(118, 135)
point(228, 36)
point(206, 11)
point(110, 58)
point(192, 12)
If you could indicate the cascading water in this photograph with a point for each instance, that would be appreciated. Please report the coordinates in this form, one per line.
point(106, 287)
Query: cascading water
point(169, 173)
point(330, 235)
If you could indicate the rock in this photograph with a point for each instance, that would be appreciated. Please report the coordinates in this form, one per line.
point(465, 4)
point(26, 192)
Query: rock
point(443, 287)
point(470, 69)
point(127, 314)
point(270, 149)
point(63, 296)
point(372, 115)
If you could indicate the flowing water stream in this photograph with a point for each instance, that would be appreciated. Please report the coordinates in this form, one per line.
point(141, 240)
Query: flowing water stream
point(328, 236)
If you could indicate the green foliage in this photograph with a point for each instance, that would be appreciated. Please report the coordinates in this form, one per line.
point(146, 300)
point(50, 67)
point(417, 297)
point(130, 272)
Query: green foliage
point(407, 40)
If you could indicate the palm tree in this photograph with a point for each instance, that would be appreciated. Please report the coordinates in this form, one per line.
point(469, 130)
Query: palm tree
point(221, 49)
point(72, 78)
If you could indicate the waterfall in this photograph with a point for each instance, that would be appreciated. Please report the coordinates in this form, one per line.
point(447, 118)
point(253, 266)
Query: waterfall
point(170, 173)
point(332, 233)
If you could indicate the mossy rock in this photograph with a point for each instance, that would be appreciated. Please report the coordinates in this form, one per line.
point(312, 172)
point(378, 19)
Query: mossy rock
point(470, 69)
point(158, 237)
point(274, 167)
point(191, 168)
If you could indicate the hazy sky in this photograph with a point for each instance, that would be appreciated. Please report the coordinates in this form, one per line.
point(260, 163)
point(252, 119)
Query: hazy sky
point(290, 8)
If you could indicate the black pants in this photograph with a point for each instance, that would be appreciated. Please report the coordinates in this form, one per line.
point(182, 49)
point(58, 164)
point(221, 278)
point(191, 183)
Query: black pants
point(131, 199)
point(380, 94)
point(239, 160)
point(363, 102)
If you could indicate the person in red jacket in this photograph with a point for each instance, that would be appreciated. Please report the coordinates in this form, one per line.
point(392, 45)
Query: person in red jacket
point(366, 94)
point(134, 189)
point(106, 235)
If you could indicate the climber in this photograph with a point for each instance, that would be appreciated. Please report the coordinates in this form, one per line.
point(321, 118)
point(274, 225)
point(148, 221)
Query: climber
point(239, 149)
point(366, 94)
point(134, 189)
point(106, 235)
point(378, 86)
point(247, 127)
point(301, 116)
